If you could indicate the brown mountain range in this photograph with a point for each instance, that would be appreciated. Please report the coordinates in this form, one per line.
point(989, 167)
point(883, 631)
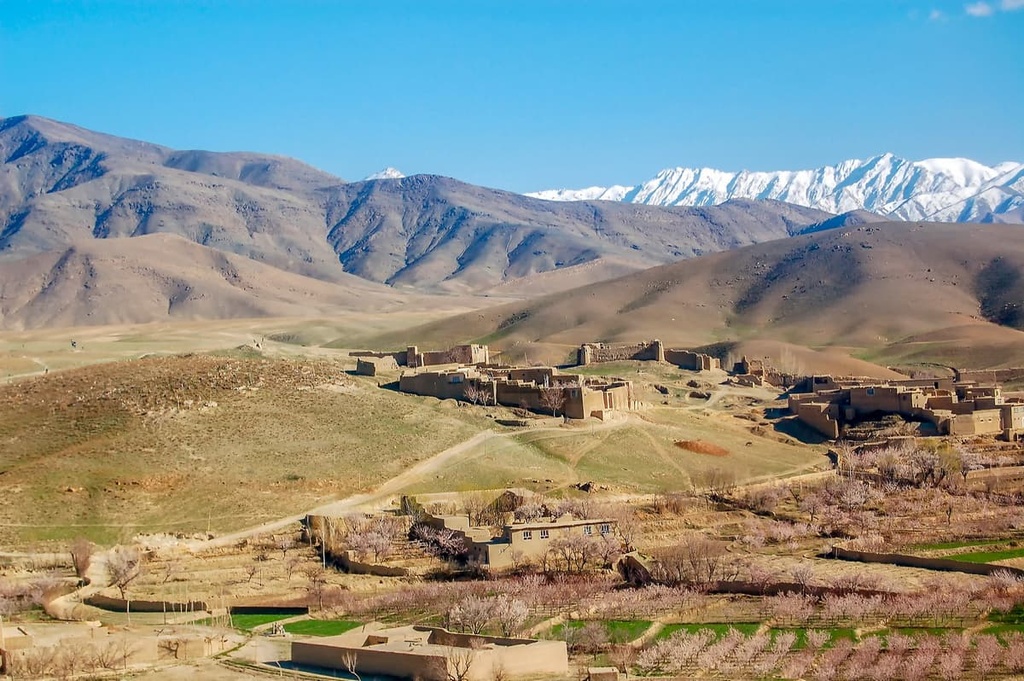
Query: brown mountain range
point(62, 185)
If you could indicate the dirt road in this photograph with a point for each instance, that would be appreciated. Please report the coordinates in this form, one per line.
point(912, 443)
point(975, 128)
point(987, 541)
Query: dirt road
point(425, 468)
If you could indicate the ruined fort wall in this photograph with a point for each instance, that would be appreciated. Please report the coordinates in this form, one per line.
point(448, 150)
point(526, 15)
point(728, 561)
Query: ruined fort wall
point(594, 353)
point(1015, 374)
point(692, 361)
point(401, 357)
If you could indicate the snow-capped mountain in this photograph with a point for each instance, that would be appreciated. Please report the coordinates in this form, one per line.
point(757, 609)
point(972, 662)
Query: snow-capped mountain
point(938, 189)
point(388, 173)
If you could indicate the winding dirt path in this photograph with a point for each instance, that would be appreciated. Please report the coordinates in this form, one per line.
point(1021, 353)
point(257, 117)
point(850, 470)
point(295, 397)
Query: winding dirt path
point(423, 469)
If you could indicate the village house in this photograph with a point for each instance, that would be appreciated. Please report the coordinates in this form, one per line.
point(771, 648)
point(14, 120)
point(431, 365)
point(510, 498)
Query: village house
point(520, 543)
point(517, 542)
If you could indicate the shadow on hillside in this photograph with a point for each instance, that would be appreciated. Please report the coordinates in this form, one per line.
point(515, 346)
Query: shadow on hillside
point(793, 427)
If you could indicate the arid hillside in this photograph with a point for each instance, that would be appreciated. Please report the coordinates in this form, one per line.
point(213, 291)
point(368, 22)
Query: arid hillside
point(428, 231)
point(906, 290)
point(166, 277)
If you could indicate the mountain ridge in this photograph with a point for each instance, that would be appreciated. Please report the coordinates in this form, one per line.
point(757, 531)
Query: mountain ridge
point(62, 184)
point(938, 189)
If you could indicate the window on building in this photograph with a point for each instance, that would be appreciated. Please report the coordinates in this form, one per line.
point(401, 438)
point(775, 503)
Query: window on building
point(588, 529)
point(871, 391)
point(605, 528)
point(544, 534)
point(527, 535)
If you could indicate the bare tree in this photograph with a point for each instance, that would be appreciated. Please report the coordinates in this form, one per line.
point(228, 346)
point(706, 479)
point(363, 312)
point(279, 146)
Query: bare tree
point(553, 399)
point(81, 555)
point(696, 560)
point(717, 482)
point(350, 659)
point(576, 552)
point(70, 660)
point(317, 584)
point(107, 656)
point(626, 522)
point(124, 565)
point(290, 565)
point(478, 393)
point(173, 568)
point(475, 504)
point(459, 660)
point(284, 545)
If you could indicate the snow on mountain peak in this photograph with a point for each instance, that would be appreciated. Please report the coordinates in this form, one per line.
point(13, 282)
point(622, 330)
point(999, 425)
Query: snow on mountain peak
point(941, 189)
point(388, 173)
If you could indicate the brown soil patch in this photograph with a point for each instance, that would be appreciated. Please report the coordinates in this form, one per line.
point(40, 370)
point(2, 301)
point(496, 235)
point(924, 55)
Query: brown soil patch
point(702, 447)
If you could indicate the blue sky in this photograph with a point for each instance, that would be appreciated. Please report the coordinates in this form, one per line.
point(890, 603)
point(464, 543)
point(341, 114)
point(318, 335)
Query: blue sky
point(530, 95)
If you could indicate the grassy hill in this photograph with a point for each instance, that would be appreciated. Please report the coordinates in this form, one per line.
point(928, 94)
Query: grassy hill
point(192, 442)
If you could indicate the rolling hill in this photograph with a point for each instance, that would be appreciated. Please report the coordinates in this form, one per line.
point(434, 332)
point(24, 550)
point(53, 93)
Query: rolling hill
point(902, 290)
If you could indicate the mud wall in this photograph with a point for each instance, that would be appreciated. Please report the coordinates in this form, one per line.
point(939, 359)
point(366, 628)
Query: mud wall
point(944, 564)
point(592, 353)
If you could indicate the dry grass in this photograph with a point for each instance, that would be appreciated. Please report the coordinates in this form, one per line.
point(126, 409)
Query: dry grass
point(196, 442)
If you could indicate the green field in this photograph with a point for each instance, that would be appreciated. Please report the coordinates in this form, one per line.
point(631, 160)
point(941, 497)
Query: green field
point(718, 628)
point(951, 545)
point(321, 627)
point(247, 622)
point(619, 631)
point(988, 556)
